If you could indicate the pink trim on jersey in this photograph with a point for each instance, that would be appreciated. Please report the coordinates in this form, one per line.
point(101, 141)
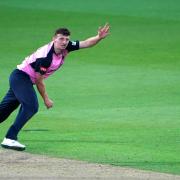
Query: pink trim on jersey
point(57, 61)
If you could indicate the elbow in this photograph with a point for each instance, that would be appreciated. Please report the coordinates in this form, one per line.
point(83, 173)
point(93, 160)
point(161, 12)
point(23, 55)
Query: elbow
point(38, 82)
point(39, 79)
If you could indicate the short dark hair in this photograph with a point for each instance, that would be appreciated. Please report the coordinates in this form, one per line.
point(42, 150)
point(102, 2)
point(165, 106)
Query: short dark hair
point(63, 31)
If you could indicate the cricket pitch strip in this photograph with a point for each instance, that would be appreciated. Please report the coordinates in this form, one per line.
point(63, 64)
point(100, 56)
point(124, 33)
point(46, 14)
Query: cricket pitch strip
point(24, 166)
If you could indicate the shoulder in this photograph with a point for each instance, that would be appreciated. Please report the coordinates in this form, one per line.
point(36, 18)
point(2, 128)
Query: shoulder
point(72, 46)
point(44, 50)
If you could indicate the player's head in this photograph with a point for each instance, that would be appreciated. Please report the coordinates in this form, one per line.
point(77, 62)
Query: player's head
point(62, 31)
point(61, 38)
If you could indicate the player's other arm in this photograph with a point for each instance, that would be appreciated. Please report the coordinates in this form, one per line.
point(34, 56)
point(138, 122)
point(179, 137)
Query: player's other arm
point(42, 90)
point(102, 33)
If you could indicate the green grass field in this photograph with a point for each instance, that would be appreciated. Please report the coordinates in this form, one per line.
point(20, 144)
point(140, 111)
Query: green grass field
point(117, 103)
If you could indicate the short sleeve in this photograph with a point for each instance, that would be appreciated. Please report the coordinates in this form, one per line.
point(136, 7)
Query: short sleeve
point(73, 46)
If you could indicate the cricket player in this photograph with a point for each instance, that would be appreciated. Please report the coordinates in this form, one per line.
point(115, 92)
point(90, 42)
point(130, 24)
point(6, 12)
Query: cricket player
point(32, 72)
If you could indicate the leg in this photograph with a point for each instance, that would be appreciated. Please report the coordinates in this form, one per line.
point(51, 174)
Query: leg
point(8, 105)
point(26, 95)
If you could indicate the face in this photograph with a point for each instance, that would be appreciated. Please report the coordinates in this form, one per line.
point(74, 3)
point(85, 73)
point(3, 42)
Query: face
point(60, 42)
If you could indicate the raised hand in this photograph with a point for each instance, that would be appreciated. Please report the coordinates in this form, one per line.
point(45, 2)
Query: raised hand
point(103, 31)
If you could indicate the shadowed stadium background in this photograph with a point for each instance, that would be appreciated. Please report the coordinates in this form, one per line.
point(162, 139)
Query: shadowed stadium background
point(117, 103)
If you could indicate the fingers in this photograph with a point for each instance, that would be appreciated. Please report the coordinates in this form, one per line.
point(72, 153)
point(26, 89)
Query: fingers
point(49, 103)
point(103, 31)
point(105, 28)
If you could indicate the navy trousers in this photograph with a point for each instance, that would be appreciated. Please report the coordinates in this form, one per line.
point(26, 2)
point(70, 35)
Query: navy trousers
point(21, 92)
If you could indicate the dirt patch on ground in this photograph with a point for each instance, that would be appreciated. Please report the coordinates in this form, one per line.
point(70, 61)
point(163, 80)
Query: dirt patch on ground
point(21, 165)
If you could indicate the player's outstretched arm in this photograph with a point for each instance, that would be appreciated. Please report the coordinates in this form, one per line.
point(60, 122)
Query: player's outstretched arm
point(102, 33)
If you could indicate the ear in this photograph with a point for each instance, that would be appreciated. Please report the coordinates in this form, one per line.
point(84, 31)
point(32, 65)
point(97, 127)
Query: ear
point(53, 38)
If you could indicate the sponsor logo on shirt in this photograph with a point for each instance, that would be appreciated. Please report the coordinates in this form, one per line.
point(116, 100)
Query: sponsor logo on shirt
point(74, 43)
point(43, 69)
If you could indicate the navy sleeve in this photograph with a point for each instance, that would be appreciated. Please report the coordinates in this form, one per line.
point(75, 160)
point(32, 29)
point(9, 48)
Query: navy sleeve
point(73, 46)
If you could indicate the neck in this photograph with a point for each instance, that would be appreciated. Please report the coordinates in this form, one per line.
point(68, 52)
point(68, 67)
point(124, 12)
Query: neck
point(58, 51)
